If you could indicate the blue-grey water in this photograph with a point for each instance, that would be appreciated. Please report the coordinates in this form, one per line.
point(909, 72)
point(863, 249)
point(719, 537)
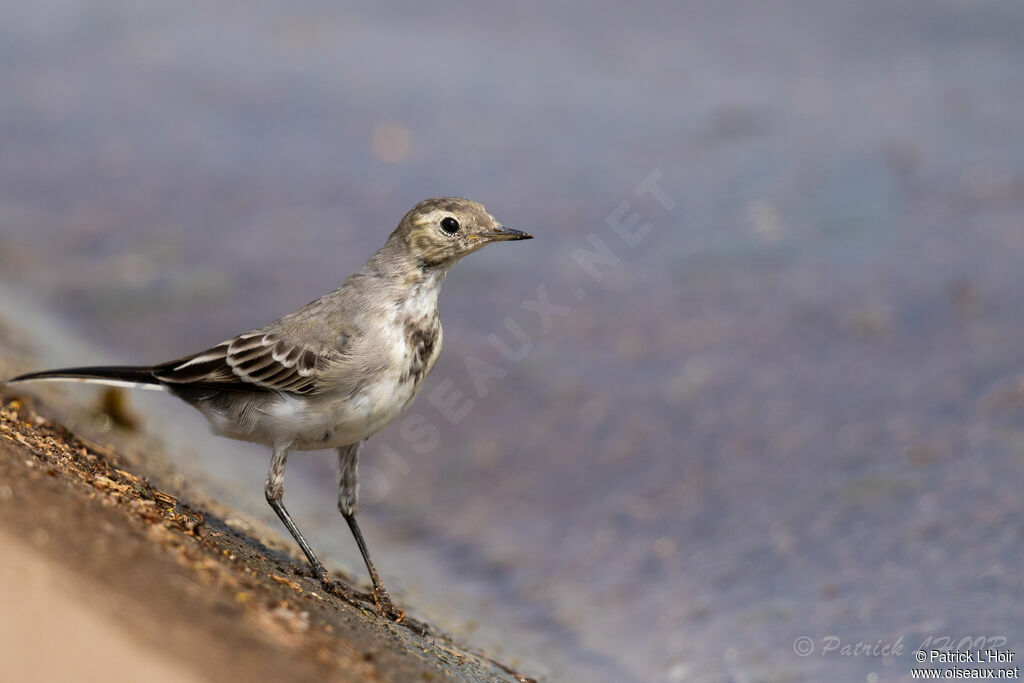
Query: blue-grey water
point(760, 376)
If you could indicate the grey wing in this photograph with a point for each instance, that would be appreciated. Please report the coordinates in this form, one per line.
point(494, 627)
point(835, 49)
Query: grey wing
point(255, 361)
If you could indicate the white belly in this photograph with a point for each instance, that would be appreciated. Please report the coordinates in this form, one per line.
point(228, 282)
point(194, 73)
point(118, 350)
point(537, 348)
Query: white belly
point(312, 423)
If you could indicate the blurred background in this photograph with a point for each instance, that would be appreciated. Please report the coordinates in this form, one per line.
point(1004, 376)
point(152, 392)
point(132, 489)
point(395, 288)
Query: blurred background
point(786, 400)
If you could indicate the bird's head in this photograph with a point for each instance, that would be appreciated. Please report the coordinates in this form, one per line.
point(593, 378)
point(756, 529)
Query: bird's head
point(440, 231)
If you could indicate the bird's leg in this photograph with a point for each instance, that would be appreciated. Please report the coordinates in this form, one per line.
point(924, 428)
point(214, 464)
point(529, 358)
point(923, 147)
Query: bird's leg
point(275, 495)
point(380, 594)
point(348, 505)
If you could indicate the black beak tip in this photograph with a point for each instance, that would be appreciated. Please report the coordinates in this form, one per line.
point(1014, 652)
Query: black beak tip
point(511, 234)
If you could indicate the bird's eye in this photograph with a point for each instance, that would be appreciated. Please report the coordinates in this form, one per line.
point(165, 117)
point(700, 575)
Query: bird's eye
point(449, 225)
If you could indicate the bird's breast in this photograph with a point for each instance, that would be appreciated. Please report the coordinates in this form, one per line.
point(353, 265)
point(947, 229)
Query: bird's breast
point(408, 348)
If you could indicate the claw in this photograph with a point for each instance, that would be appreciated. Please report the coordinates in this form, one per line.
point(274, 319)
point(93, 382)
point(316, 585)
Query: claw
point(339, 589)
point(386, 607)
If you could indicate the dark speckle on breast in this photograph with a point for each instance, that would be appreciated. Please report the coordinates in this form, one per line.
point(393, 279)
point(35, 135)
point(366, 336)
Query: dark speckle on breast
point(421, 336)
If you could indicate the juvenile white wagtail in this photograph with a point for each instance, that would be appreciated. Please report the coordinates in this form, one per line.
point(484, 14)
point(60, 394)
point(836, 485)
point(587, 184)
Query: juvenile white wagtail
point(337, 370)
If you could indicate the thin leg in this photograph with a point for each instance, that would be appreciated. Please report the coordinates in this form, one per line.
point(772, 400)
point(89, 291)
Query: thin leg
point(275, 494)
point(379, 592)
point(348, 505)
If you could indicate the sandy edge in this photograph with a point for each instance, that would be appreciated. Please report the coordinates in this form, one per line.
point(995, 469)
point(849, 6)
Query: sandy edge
point(104, 575)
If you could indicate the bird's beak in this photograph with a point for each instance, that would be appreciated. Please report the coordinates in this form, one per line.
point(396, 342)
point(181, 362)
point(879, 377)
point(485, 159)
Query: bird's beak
point(503, 234)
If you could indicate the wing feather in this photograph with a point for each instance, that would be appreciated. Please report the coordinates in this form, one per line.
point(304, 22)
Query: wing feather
point(254, 361)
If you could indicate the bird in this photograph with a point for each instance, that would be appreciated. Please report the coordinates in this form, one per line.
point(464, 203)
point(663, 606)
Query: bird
point(334, 372)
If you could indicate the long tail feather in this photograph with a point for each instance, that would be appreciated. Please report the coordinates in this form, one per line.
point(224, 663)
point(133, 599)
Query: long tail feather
point(112, 375)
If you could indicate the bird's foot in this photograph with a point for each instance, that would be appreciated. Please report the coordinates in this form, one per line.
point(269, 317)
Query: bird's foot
point(316, 571)
point(388, 610)
point(381, 600)
point(338, 589)
point(386, 607)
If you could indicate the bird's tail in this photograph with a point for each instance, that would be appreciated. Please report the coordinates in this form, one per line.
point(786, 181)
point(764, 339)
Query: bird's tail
point(125, 376)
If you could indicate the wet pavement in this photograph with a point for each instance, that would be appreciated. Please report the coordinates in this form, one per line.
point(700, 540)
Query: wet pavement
point(759, 377)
